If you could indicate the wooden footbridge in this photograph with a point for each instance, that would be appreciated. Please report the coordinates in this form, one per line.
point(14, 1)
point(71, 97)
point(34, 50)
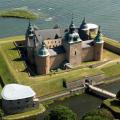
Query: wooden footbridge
point(99, 91)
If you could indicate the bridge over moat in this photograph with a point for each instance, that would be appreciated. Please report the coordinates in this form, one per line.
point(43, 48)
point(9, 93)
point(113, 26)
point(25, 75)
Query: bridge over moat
point(99, 91)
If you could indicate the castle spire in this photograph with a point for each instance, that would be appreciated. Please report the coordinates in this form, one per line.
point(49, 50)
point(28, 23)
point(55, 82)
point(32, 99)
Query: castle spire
point(29, 22)
point(30, 29)
point(72, 25)
point(84, 21)
point(98, 38)
point(83, 24)
point(99, 31)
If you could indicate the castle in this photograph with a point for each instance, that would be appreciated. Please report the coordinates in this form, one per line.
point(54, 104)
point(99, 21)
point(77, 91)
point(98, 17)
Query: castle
point(49, 49)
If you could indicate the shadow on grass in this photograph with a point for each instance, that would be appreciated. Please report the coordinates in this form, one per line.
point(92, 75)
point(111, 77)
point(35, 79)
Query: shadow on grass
point(115, 103)
point(18, 59)
point(13, 48)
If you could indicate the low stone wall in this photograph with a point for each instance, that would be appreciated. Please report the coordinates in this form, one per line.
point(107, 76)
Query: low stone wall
point(98, 64)
point(96, 79)
point(112, 48)
point(20, 43)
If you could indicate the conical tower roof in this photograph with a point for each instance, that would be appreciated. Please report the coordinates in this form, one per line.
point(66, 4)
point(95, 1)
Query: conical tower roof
point(98, 38)
point(72, 26)
point(83, 26)
point(72, 36)
point(43, 51)
point(30, 29)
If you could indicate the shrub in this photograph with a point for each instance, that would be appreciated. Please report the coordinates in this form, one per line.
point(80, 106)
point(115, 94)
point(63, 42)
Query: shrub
point(101, 114)
point(61, 113)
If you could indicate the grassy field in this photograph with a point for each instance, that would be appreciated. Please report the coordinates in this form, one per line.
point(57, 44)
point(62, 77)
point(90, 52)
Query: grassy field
point(13, 65)
point(19, 13)
point(112, 70)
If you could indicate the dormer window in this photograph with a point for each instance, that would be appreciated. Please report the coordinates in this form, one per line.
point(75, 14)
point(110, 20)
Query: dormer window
point(75, 38)
point(56, 36)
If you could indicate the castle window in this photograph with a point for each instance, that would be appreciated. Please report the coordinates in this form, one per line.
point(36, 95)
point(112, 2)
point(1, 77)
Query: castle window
point(18, 102)
point(75, 52)
point(27, 100)
point(18, 107)
point(75, 38)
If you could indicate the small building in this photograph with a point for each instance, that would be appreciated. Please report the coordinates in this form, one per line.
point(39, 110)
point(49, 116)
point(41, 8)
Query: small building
point(18, 98)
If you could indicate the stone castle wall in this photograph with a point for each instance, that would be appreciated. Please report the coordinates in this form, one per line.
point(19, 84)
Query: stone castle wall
point(42, 64)
point(87, 54)
point(73, 53)
point(112, 48)
point(98, 52)
point(55, 61)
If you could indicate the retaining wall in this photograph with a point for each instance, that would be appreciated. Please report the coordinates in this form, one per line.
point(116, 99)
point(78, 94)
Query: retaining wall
point(112, 48)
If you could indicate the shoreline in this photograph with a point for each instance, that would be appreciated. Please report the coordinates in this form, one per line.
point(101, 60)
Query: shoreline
point(19, 13)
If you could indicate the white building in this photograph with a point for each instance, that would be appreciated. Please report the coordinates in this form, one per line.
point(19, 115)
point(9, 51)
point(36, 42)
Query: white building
point(18, 98)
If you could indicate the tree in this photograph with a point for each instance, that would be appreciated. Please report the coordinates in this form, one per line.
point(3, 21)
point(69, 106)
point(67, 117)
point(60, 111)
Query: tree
point(61, 113)
point(99, 114)
point(118, 95)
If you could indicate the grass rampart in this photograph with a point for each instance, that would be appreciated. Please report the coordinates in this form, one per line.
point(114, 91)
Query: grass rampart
point(15, 68)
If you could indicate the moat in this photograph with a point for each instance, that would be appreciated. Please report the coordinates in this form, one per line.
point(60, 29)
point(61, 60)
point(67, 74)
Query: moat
point(85, 103)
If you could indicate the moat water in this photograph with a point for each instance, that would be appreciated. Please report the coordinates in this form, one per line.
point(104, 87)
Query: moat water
point(101, 12)
point(84, 103)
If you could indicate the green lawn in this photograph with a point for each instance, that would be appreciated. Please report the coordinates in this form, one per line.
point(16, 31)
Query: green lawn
point(12, 38)
point(11, 64)
point(112, 70)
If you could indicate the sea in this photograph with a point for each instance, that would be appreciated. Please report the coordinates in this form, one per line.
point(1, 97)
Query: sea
point(105, 13)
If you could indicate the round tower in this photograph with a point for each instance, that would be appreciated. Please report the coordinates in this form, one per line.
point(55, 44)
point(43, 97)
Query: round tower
point(43, 60)
point(29, 37)
point(72, 44)
point(98, 45)
point(31, 43)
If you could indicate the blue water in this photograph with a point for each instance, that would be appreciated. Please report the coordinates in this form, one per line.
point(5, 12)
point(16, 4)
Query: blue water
point(101, 12)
